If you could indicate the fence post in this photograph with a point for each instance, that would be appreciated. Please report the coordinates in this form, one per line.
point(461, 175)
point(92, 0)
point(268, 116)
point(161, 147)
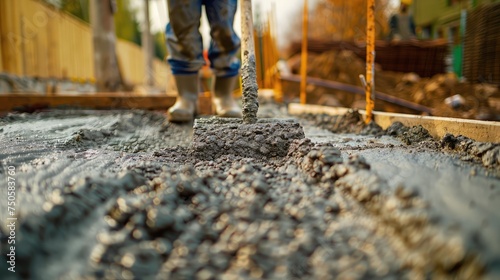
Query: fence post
point(1, 55)
point(147, 46)
point(107, 73)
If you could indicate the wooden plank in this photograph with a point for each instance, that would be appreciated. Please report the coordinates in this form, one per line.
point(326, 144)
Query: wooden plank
point(41, 21)
point(72, 49)
point(53, 54)
point(15, 37)
point(97, 101)
point(12, 39)
point(30, 40)
point(63, 48)
point(1, 39)
point(131, 60)
point(161, 73)
point(484, 131)
point(88, 54)
point(2, 32)
point(58, 62)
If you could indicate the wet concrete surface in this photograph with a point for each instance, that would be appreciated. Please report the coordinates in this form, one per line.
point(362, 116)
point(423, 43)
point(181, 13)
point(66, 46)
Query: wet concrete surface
point(121, 194)
point(267, 138)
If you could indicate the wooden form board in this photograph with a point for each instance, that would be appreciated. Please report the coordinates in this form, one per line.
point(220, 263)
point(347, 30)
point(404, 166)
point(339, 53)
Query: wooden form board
point(112, 100)
point(96, 101)
point(1, 59)
point(484, 131)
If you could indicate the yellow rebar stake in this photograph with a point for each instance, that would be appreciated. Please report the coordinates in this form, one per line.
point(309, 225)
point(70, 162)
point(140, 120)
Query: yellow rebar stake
point(303, 63)
point(370, 60)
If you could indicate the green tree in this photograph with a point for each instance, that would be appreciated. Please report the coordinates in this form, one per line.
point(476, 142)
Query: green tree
point(78, 8)
point(159, 45)
point(126, 25)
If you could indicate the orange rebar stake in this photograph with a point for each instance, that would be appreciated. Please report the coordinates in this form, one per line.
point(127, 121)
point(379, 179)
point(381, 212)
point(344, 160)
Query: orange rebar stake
point(370, 60)
point(303, 63)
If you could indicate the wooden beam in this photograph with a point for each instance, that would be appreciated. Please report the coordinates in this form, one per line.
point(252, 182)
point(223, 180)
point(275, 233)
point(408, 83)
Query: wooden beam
point(484, 131)
point(1, 39)
point(96, 101)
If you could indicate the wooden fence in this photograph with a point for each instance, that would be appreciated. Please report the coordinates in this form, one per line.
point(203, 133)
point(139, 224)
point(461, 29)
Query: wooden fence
point(37, 40)
point(426, 58)
point(131, 63)
point(482, 45)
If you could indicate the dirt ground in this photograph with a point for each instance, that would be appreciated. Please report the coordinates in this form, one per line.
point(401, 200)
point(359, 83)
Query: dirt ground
point(445, 94)
point(122, 195)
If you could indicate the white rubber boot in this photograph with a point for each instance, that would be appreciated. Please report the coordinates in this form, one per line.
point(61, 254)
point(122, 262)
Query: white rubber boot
point(185, 106)
point(225, 105)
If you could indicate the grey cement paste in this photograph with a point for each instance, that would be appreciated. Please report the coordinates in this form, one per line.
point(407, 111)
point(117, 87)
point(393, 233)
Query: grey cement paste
point(249, 88)
point(266, 138)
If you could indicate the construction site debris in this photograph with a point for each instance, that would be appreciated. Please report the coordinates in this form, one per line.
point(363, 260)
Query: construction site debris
point(409, 135)
point(455, 101)
point(469, 150)
point(481, 40)
point(344, 67)
point(351, 122)
point(426, 58)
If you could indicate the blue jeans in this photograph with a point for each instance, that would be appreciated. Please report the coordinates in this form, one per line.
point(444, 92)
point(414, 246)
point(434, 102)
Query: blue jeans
point(184, 41)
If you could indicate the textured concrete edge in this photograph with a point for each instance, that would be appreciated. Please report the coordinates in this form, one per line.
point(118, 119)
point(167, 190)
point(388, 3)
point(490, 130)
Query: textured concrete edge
point(219, 120)
point(483, 131)
point(216, 137)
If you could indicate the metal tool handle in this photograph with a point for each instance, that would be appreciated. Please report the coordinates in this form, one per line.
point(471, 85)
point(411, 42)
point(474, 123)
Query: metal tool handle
point(248, 70)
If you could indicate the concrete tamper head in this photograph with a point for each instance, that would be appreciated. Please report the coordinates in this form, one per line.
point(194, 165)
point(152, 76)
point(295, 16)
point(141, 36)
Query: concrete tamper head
point(248, 137)
point(266, 138)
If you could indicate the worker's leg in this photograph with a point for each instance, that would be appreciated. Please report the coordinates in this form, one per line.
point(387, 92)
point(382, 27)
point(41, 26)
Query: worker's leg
point(222, 55)
point(184, 42)
point(225, 43)
point(185, 47)
point(224, 103)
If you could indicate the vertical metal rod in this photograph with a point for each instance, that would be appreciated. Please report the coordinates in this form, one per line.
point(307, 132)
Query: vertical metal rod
point(370, 60)
point(303, 63)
